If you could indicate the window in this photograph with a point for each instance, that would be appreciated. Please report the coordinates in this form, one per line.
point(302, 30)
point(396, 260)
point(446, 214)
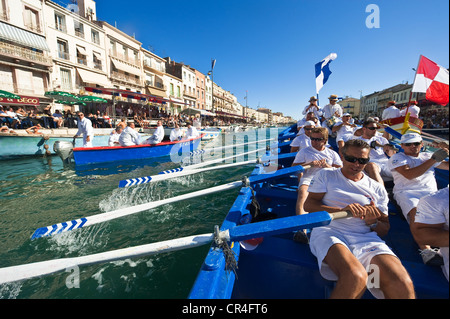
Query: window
point(63, 50)
point(79, 29)
point(81, 55)
point(178, 91)
point(60, 22)
point(171, 89)
point(66, 79)
point(95, 37)
point(31, 19)
point(97, 59)
point(113, 47)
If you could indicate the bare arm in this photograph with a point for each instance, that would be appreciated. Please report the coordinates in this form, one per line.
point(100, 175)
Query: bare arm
point(430, 234)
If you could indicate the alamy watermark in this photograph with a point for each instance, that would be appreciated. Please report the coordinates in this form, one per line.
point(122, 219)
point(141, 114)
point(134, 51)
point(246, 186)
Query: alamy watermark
point(373, 19)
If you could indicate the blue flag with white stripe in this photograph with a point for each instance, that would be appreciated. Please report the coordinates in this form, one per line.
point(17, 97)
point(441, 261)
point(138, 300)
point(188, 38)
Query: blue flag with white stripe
point(323, 71)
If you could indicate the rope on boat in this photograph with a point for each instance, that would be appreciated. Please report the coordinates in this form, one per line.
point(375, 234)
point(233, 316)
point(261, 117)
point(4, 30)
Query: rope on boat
point(221, 242)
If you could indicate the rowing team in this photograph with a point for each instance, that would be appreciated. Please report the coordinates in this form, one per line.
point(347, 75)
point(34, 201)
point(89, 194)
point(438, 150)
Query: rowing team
point(128, 136)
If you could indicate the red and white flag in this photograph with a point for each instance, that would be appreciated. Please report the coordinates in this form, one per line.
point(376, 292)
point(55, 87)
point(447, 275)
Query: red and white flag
point(433, 80)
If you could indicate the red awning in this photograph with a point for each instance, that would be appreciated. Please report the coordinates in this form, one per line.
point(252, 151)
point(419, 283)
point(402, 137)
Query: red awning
point(128, 94)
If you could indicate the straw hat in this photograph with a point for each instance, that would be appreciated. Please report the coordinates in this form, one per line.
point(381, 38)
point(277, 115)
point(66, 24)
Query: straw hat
point(333, 97)
point(312, 98)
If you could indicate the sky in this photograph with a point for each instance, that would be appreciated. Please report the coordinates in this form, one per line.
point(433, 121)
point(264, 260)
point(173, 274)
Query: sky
point(267, 49)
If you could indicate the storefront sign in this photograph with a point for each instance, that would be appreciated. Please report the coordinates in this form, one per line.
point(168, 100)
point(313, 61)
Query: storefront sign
point(25, 100)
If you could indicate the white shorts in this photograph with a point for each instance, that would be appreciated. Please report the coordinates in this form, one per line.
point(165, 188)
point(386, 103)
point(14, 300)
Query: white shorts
point(408, 200)
point(363, 246)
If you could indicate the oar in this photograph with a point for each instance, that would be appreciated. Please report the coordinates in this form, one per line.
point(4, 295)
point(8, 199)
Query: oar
point(99, 218)
point(215, 149)
point(238, 233)
point(103, 217)
point(178, 173)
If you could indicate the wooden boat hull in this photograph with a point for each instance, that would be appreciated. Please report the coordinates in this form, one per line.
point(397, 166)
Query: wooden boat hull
point(104, 154)
point(411, 125)
point(281, 268)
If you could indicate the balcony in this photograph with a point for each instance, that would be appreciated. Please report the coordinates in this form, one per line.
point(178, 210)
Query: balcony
point(18, 52)
point(156, 85)
point(189, 94)
point(63, 55)
point(98, 66)
point(82, 60)
point(33, 27)
point(118, 76)
point(124, 57)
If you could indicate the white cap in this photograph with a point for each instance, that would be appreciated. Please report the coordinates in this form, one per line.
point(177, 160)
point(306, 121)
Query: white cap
point(310, 123)
point(410, 138)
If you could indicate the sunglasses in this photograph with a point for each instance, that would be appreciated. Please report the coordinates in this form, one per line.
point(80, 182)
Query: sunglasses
point(371, 128)
point(352, 159)
point(316, 138)
point(307, 128)
point(415, 144)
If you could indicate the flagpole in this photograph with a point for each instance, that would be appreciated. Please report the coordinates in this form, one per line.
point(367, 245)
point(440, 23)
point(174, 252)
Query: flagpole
point(410, 93)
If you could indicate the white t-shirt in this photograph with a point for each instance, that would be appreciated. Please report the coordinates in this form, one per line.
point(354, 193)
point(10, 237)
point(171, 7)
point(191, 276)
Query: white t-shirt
point(391, 112)
point(433, 209)
point(301, 141)
point(341, 191)
point(345, 130)
point(113, 138)
point(329, 110)
point(176, 134)
point(192, 133)
point(310, 154)
point(316, 110)
point(413, 109)
point(129, 137)
point(426, 181)
point(376, 154)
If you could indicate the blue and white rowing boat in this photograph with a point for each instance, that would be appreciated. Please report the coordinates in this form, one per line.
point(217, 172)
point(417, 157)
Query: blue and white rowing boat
point(105, 154)
point(279, 267)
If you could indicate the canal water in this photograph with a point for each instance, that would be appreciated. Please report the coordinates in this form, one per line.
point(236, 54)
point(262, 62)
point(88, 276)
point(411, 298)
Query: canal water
point(38, 192)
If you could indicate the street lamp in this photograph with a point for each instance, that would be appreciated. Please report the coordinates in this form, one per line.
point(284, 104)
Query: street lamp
point(213, 63)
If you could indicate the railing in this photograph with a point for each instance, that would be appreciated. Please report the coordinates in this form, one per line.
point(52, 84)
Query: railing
point(33, 27)
point(98, 65)
point(124, 57)
point(23, 53)
point(79, 34)
point(123, 77)
point(63, 55)
point(82, 60)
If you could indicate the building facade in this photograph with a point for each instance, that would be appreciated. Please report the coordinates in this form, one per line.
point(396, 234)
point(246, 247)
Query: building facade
point(25, 57)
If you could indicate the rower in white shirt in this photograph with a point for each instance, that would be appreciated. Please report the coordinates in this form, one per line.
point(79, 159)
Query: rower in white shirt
point(129, 136)
point(157, 136)
point(85, 128)
point(176, 134)
point(191, 132)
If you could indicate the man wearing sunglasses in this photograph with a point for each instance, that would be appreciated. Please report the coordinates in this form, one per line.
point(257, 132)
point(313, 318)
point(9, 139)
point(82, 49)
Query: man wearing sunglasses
point(318, 156)
point(347, 248)
point(343, 128)
point(414, 178)
point(379, 148)
point(85, 128)
point(302, 139)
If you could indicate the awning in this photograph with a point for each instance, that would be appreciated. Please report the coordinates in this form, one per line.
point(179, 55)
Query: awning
point(92, 77)
point(128, 94)
point(22, 37)
point(126, 67)
point(81, 50)
point(191, 111)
